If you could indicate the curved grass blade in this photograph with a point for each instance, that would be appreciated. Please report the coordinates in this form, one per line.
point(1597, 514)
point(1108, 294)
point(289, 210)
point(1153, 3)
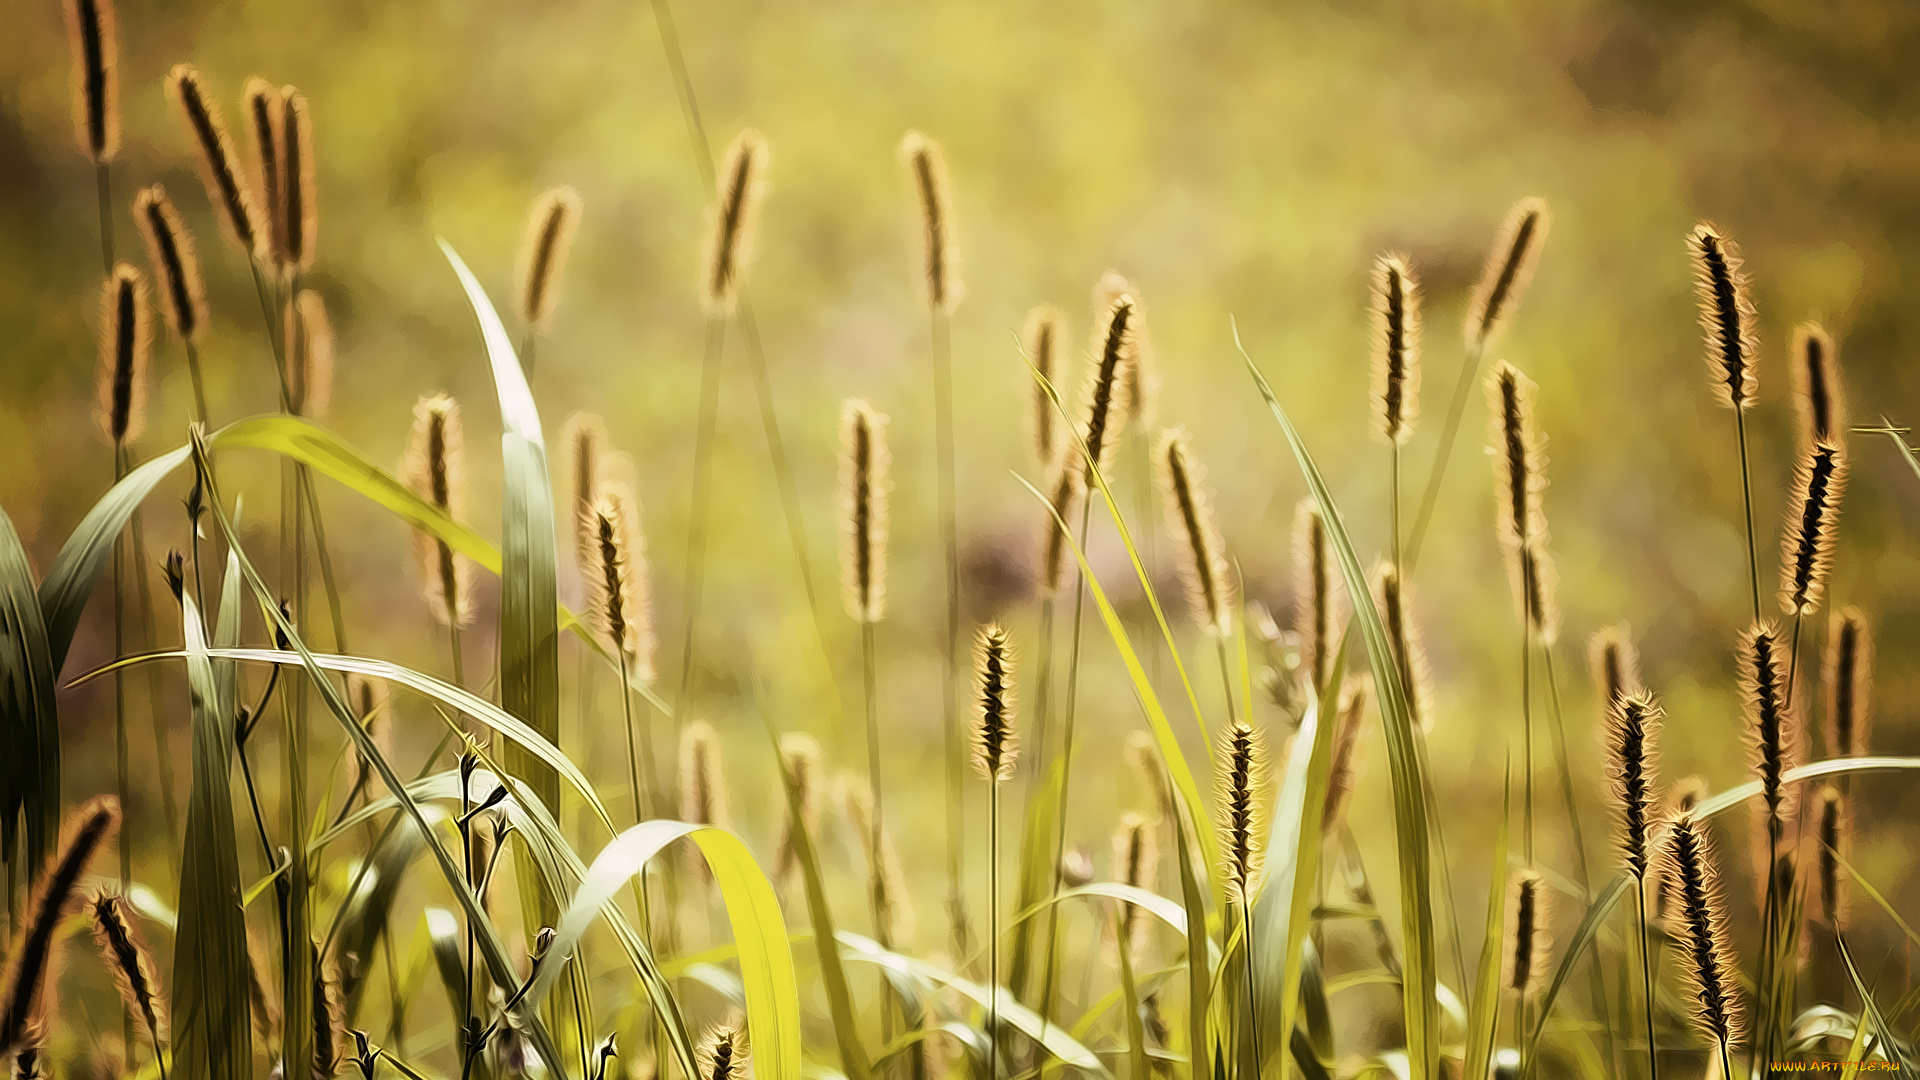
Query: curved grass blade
point(1408, 781)
point(29, 717)
point(1486, 983)
point(1199, 946)
point(1891, 1045)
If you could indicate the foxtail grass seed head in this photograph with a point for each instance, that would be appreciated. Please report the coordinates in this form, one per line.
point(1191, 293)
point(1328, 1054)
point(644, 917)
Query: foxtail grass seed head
point(1632, 738)
point(1243, 822)
point(226, 187)
point(1139, 389)
point(1136, 862)
point(1141, 753)
point(1527, 943)
point(1043, 343)
point(732, 221)
point(1615, 664)
point(551, 225)
point(1396, 349)
point(1807, 547)
point(722, 1053)
point(1509, 269)
point(266, 112)
point(1189, 507)
point(616, 575)
point(1682, 797)
point(1519, 462)
point(96, 77)
point(30, 956)
point(887, 883)
point(309, 345)
point(1344, 769)
point(1064, 500)
point(171, 256)
point(1106, 403)
point(126, 339)
point(1702, 921)
point(866, 484)
point(1393, 597)
point(932, 187)
point(1816, 385)
point(801, 756)
point(1319, 600)
point(1726, 315)
point(329, 1026)
point(1540, 581)
point(435, 469)
point(996, 741)
point(125, 950)
point(1835, 830)
point(1848, 676)
point(703, 783)
point(300, 197)
point(1772, 733)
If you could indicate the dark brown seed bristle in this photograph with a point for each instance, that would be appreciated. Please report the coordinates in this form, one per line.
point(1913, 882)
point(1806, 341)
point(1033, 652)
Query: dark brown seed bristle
point(96, 77)
point(1771, 726)
point(993, 750)
point(1849, 679)
point(1632, 726)
point(31, 955)
point(224, 185)
point(1820, 481)
point(1726, 315)
point(1702, 917)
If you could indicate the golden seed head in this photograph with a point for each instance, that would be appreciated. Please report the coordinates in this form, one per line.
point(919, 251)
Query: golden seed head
point(1065, 497)
point(865, 487)
point(265, 113)
point(1393, 597)
point(722, 1053)
point(616, 576)
point(1848, 678)
point(1519, 460)
point(170, 254)
point(801, 756)
point(1113, 383)
point(1343, 770)
point(1396, 349)
point(932, 187)
point(1319, 598)
point(309, 344)
point(300, 206)
point(1144, 756)
point(584, 437)
point(228, 190)
point(435, 470)
point(1701, 919)
point(1136, 862)
point(1817, 391)
point(1139, 389)
point(1243, 823)
point(1509, 269)
point(31, 955)
point(96, 77)
point(1806, 556)
point(1538, 587)
point(1726, 315)
point(125, 950)
point(551, 226)
point(1043, 343)
point(1632, 744)
point(732, 221)
point(1773, 735)
point(703, 786)
point(1614, 663)
point(1527, 941)
point(1189, 509)
point(996, 740)
point(1834, 835)
point(126, 339)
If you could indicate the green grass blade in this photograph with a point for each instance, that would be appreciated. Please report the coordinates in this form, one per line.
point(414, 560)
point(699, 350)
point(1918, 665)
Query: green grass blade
point(1486, 982)
point(1199, 971)
point(1137, 1068)
point(1891, 1044)
point(1408, 783)
point(29, 720)
point(212, 1034)
point(1583, 937)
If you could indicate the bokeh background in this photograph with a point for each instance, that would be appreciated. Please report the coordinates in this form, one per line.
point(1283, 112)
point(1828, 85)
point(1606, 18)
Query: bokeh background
point(1238, 160)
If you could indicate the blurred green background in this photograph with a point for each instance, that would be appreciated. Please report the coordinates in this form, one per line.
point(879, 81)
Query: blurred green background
point(1237, 160)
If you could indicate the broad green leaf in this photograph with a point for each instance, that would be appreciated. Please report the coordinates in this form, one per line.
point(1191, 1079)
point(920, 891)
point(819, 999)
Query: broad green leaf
point(29, 720)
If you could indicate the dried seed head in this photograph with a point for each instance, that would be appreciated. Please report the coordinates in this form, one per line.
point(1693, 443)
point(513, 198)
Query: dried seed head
point(226, 188)
point(1343, 769)
point(1139, 389)
point(551, 226)
point(126, 953)
point(1615, 664)
point(1632, 738)
point(1243, 825)
point(1136, 861)
point(1396, 349)
point(1107, 400)
point(616, 576)
point(1836, 831)
point(926, 165)
point(1519, 463)
point(1685, 794)
point(1849, 682)
point(1702, 920)
point(1772, 732)
point(886, 883)
point(1392, 596)
point(723, 1053)
point(584, 437)
point(1527, 941)
point(96, 77)
point(1726, 315)
point(1813, 521)
point(435, 469)
point(1144, 756)
point(1189, 508)
point(1319, 600)
point(865, 486)
point(1043, 343)
point(309, 344)
point(1067, 493)
point(126, 338)
point(732, 221)
point(1816, 385)
point(170, 254)
point(329, 1024)
point(300, 205)
point(266, 111)
point(800, 755)
point(30, 957)
point(995, 742)
point(1509, 268)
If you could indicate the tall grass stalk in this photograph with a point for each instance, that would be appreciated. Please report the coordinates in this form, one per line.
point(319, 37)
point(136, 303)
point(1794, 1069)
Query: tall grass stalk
point(694, 576)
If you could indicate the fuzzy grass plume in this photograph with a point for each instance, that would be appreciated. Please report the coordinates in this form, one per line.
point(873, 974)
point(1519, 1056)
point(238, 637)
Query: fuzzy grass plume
point(1702, 920)
point(1136, 862)
point(1848, 678)
point(1318, 597)
point(1812, 522)
point(1143, 754)
point(265, 113)
point(1508, 270)
point(126, 340)
point(722, 1053)
point(1396, 350)
point(1835, 831)
point(1525, 951)
point(1242, 810)
point(995, 740)
point(1104, 412)
point(1519, 462)
point(309, 348)
point(1614, 663)
point(616, 577)
point(1343, 769)
point(1726, 315)
point(551, 225)
point(1067, 492)
point(1541, 580)
point(926, 166)
point(865, 487)
point(226, 187)
point(1632, 744)
point(584, 441)
point(30, 956)
point(1816, 385)
point(1189, 509)
point(1772, 733)
point(299, 198)
point(802, 757)
point(731, 222)
point(125, 950)
point(435, 469)
point(171, 256)
point(96, 77)
point(1391, 596)
point(1042, 342)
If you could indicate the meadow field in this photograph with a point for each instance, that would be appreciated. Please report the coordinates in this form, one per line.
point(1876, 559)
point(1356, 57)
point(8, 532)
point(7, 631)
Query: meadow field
point(885, 542)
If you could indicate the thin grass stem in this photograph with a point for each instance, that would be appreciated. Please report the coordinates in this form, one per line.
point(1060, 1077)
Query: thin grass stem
point(694, 582)
point(1746, 499)
point(1436, 476)
point(1066, 771)
point(1646, 977)
point(941, 335)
